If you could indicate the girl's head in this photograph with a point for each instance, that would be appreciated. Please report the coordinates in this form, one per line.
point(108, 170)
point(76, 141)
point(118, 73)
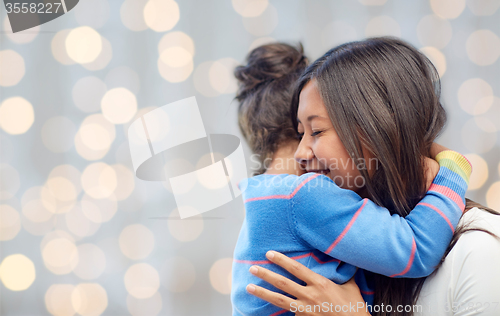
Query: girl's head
point(265, 94)
point(371, 109)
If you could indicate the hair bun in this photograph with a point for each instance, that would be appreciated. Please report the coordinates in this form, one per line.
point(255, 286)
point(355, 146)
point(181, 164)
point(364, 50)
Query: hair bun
point(267, 63)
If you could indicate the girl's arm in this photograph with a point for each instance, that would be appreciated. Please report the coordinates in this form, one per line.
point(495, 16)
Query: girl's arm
point(357, 231)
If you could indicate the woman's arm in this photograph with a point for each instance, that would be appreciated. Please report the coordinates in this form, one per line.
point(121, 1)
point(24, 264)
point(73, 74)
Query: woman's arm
point(328, 297)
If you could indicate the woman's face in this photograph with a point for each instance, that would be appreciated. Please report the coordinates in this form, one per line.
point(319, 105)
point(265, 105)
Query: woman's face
point(320, 149)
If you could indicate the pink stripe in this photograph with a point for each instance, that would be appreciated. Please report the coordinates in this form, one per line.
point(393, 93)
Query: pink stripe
point(449, 193)
point(440, 213)
point(283, 196)
point(279, 313)
point(367, 292)
point(310, 254)
point(410, 261)
point(346, 229)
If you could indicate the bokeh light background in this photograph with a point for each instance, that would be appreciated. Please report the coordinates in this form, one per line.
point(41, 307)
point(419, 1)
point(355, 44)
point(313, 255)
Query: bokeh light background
point(81, 235)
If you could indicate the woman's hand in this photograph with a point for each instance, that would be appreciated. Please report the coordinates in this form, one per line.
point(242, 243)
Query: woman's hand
point(319, 291)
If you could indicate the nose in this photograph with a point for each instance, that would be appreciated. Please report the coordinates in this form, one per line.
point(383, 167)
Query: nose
point(304, 152)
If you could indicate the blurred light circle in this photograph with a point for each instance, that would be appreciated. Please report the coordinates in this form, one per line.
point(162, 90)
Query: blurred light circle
point(136, 241)
point(475, 96)
point(219, 77)
point(125, 77)
point(79, 224)
point(491, 114)
point(483, 7)
point(92, 262)
point(83, 44)
point(264, 24)
point(99, 210)
point(220, 275)
point(10, 222)
point(250, 8)
point(434, 31)
point(62, 189)
point(13, 68)
point(89, 299)
point(201, 79)
point(16, 115)
point(142, 280)
point(93, 13)
point(485, 124)
point(119, 105)
point(103, 58)
point(161, 15)
point(58, 47)
point(99, 180)
point(476, 139)
point(35, 211)
point(131, 13)
point(175, 74)
point(447, 9)
point(88, 92)
point(493, 196)
point(95, 136)
point(178, 274)
point(337, 32)
point(176, 57)
point(185, 230)
point(382, 26)
point(51, 203)
point(144, 307)
point(480, 174)
point(70, 173)
point(21, 37)
point(261, 41)
point(17, 272)
point(483, 47)
point(125, 180)
point(39, 228)
point(60, 256)
point(176, 39)
point(55, 234)
point(436, 57)
point(58, 300)
point(87, 140)
point(58, 133)
point(9, 181)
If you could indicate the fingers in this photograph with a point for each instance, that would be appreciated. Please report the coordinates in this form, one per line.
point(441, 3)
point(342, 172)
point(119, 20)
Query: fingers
point(292, 266)
point(274, 298)
point(277, 280)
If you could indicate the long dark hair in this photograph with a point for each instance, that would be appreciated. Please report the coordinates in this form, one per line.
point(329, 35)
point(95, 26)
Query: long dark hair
point(264, 95)
point(383, 94)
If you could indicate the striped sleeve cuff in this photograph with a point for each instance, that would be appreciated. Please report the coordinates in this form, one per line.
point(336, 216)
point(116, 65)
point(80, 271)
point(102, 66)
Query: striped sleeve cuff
point(456, 163)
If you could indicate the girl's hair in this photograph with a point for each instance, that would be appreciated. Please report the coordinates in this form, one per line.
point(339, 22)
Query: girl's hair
point(265, 94)
point(383, 94)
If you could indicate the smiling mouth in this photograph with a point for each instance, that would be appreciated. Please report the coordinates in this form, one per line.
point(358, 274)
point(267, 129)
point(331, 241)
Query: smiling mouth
point(323, 171)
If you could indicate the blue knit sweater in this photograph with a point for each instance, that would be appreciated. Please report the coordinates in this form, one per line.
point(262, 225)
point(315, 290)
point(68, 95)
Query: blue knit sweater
point(332, 231)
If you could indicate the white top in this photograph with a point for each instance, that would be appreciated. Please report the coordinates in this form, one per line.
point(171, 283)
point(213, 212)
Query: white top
point(468, 282)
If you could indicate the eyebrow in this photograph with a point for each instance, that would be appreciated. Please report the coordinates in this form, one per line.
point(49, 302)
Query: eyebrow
point(309, 118)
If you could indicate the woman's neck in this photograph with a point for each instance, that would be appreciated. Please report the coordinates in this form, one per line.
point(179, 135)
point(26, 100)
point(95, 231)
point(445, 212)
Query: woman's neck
point(283, 161)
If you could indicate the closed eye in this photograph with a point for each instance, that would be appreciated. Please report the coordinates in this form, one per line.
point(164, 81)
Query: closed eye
point(316, 133)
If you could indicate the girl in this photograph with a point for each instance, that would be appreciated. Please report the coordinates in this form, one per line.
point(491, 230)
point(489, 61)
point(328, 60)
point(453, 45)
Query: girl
point(319, 219)
point(382, 91)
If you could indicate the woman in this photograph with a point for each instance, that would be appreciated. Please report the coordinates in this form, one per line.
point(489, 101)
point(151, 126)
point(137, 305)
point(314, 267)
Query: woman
point(387, 91)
